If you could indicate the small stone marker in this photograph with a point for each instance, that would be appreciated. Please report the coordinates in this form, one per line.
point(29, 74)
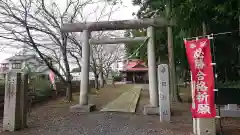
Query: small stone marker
point(163, 87)
point(14, 102)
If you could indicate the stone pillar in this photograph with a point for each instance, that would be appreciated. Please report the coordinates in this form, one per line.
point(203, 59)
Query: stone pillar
point(15, 102)
point(83, 105)
point(24, 101)
point(152, 108)
point(84, 88)
point(163, 87)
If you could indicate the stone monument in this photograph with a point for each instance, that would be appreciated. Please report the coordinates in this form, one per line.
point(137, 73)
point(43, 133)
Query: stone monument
point(15, 101)
point(163, 87)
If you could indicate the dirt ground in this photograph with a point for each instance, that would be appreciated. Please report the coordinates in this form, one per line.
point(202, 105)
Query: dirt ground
point(54, 118)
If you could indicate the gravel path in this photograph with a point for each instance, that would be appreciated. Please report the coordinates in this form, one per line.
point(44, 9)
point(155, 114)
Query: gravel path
point(99, 124)
point(50, 119)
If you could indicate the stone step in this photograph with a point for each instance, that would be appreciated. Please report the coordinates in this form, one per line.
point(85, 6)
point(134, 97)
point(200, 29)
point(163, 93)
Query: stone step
point(126, 102)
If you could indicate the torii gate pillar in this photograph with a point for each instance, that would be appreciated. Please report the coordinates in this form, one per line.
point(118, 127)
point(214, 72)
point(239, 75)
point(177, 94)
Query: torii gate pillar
point(83, 105)
point(153, 107)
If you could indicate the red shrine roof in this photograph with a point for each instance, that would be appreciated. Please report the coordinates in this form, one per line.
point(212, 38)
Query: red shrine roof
point(135, 65)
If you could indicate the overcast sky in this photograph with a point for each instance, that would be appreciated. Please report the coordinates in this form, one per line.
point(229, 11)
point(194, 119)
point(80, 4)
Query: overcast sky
point(120, 13)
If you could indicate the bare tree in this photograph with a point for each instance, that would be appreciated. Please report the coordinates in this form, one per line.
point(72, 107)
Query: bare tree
point(29, 20)
point(101, 61)
point(103, 57)
point(36, 25)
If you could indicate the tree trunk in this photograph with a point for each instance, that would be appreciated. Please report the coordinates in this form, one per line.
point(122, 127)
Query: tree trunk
point(113, 82)
point(106, 77)
point(96, 82)
point(105, 81)
point(239, 18)
point(69, 87)
point(204, 27)
point(101, 79)
point(69, 91)
point(171, 60)
point(68, 74)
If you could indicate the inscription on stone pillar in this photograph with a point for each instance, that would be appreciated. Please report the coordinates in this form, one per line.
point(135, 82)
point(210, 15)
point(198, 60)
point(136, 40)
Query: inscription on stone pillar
point(163, 87)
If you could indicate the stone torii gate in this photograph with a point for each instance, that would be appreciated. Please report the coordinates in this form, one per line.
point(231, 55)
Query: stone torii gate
point(88, 27)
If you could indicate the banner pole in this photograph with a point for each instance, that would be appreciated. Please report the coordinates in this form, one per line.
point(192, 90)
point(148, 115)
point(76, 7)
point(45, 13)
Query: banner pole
point(193, 104)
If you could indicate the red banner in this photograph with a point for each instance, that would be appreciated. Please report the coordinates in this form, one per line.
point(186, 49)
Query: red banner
point(200, 62)
point(52, 79)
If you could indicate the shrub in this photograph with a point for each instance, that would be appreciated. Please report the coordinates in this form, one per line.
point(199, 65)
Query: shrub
point(43, 88)
point(117, 78)
point(228, 84)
